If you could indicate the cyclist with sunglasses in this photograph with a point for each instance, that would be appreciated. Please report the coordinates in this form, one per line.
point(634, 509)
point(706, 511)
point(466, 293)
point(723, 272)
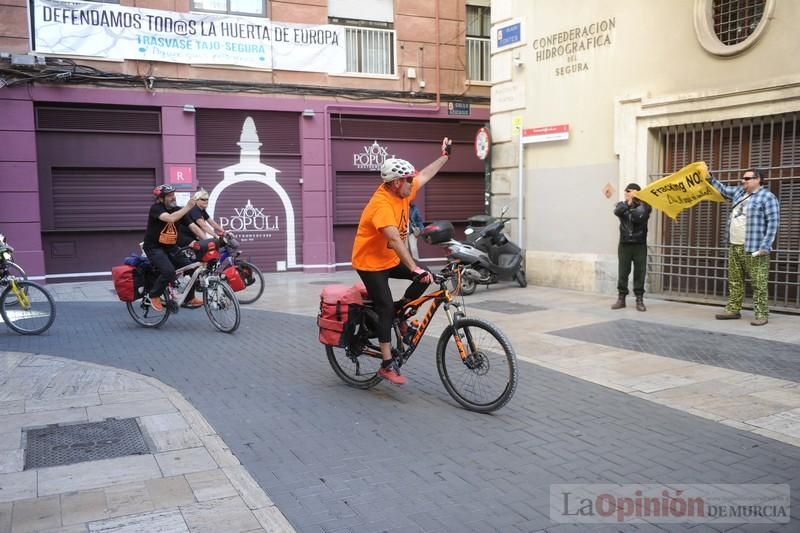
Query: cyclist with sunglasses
point(380, 251)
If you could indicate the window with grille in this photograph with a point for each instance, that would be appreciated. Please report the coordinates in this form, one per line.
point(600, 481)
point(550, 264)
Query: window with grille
point(736, 20)
point(369, 34)
point(370, 46)
point(478, 27)
point(255, 8)
point(690, 259)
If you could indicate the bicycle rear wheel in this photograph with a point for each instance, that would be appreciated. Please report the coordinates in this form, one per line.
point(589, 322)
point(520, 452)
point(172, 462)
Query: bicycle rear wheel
point(144, 315)
point(222, 307)
point(29, 311)
point(487, 380)
point(253, 280)
point(359, 371)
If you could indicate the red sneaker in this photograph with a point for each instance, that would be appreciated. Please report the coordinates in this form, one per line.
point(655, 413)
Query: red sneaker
point(155, 303)
point(392, 374)
point(194, 303)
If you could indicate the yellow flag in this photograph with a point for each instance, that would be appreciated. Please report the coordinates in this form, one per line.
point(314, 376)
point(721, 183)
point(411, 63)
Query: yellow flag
point(676, 192)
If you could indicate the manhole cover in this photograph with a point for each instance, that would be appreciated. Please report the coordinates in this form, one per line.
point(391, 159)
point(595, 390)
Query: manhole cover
point(509, 308)
point(64, 445)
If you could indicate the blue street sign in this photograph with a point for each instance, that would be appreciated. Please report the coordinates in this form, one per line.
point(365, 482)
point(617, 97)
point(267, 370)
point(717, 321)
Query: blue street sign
point(509, 35)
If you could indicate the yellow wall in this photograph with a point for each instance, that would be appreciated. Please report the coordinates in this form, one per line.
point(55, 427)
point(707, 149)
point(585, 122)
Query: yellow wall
point(654, 59)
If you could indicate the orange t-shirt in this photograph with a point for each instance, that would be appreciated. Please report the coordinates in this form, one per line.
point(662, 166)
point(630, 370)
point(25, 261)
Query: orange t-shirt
point(371, 250)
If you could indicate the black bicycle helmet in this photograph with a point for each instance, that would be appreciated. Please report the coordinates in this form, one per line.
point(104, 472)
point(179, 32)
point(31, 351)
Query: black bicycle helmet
point(162, 190)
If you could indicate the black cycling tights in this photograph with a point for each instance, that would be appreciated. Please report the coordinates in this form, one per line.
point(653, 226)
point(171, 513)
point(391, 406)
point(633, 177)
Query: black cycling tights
point(377, 284)
point(166, 260)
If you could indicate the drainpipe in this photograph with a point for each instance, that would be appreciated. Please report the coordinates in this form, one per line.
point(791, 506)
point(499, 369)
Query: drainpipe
point(438, 50)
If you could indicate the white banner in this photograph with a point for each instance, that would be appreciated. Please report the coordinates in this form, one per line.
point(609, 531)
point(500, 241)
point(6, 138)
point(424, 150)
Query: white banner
point(116, 32)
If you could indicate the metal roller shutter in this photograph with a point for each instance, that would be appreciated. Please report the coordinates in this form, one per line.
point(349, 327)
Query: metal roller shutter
point(251, 209)
point(690, 261)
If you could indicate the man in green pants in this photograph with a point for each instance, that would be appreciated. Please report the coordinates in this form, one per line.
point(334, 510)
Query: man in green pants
point(633, 215)
point(752, 227)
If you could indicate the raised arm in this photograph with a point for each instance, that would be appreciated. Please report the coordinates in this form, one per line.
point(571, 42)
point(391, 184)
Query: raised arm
point(177, 215)
point(427, 173)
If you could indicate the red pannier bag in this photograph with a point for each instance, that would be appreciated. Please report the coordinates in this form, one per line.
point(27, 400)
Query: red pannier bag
point(123, 277)
point(206, 250)
point(234, 279)
point(340, 309)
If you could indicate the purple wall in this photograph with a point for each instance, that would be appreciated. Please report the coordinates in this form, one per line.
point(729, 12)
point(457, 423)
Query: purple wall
point(19, 183)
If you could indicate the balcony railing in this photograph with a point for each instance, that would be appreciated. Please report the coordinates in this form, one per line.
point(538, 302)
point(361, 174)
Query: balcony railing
point(478, 59)
point(370, 51)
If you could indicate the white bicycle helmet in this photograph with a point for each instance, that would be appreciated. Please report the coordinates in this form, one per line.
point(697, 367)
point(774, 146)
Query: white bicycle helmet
point(393, 169)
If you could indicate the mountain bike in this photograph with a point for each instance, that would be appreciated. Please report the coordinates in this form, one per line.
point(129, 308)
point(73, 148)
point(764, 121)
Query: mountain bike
point(219, 300)
point(251, 274)
point(475, 360)
point(25, 306)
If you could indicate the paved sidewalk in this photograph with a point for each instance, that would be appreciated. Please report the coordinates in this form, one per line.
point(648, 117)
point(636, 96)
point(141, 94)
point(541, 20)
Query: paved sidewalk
point(571, 333)
point(189, 482)
point(724, 387)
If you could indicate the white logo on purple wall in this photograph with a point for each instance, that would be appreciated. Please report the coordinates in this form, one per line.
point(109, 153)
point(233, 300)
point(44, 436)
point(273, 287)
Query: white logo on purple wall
point(372, 157)
point(250, 168)
point(250, 222)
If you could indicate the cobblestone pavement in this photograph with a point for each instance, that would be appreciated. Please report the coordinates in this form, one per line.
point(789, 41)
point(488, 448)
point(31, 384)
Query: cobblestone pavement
point(756, 356)
point(409, 459)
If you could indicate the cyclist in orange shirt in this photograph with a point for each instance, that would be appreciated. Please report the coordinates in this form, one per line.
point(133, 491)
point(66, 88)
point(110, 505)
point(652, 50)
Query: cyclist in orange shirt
point(380, 251)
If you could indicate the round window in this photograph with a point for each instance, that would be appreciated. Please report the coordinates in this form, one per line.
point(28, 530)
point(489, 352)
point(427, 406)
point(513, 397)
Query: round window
point(728, 27)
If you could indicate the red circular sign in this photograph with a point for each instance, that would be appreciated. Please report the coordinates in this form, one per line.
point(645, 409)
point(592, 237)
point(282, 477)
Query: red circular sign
point(483, 143)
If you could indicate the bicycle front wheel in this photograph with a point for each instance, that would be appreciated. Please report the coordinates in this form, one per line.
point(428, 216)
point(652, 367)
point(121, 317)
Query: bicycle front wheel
point(16, 271)
point(29, 310)
point(253, 280)
point(144, 315)
point(487, 379)
point(222, 307)
point(359, 371)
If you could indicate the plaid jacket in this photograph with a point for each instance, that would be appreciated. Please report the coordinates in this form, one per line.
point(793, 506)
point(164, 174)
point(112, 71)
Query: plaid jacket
point(763, 215)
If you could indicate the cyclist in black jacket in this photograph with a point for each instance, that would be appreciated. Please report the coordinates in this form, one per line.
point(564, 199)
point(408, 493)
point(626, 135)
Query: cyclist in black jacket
point(161, 242)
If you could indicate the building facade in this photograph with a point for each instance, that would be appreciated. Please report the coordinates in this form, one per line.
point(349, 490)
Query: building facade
point(283, 110)
point(607, 93)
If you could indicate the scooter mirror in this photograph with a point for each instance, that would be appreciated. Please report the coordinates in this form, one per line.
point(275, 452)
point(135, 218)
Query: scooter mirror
point(503, 212)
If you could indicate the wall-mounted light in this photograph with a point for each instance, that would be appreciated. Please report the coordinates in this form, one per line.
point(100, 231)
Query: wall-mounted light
point(189, 108)
point(517, 60)
point(308, 113)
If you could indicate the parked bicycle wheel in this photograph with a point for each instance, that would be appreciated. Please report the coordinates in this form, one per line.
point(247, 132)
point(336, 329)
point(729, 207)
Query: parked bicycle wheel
point(360, 371)
point(253, 280)
point(486, 381)
point(222, 307)
point(146, 316)
point(30, 310)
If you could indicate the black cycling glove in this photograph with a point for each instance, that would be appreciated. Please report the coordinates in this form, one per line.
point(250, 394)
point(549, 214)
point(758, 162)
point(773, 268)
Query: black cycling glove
point(447, 147)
